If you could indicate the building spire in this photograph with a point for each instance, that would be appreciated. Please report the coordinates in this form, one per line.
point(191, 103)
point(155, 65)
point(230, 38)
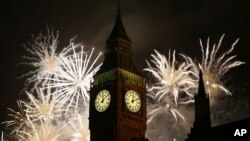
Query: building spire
point(202, 124)
point(118, 29)
point(202, 105)
point(118, 47)
point(201, 89)
point(118, 5)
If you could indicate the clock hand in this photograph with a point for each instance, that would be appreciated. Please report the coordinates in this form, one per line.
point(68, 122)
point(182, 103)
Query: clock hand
point(104, 98)
point(134, 100)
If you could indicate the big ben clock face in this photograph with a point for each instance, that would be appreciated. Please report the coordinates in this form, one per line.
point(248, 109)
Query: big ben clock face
point(133, 101)
point(102, 100)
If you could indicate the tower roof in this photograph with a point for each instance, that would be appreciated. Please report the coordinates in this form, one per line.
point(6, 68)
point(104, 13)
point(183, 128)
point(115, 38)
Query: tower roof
point(118, 29)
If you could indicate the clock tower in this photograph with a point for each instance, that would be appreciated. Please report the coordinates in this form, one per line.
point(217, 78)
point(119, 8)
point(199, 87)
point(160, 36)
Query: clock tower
point(117, 109)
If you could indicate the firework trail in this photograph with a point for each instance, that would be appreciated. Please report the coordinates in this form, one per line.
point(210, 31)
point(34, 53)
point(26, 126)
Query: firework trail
point(173, 83)
point(72, 80)
point(214, 66)
point(164, 109)
point(18, 118)
point(43, 107)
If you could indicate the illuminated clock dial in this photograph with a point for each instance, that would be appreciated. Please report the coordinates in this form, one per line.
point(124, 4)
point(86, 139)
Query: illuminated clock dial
point(133, 101)
point(102, 100)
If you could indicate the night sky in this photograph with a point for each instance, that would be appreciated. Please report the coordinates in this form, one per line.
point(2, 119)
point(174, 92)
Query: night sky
point(151, 24)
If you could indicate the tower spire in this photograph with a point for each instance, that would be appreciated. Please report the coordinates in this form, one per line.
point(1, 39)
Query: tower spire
point(119, 77)
point(118, 47)
point(118, 5)
point(202, 105)
point(201, 89)
point(202, 124)
point(118, 29)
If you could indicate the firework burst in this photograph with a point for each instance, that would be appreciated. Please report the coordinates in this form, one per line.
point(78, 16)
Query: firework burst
point(214, 66)
point(41, 55)
point(43, 107)
point(73, 78)
point(81, 131)
point(40, 131)
point(170, 78)
point(18, 119)
point(59, 84)
point(172, 81)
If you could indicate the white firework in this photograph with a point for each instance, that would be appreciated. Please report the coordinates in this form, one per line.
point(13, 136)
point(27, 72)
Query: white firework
point(80, 127)
point(214, 66)
point(18, 119)
point(165, 108)
point(40, 131)
point(171, 81)
point(61, 82)
point(42, 57)
point(43, 107)
point(73, 78)
point(171, 78)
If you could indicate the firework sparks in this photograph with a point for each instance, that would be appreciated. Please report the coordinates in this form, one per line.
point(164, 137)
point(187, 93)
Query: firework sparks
point(214, 66)
point(81, 131)
point(163, 109)
point(43, 107)
point(42, 57)
point(18, 119)
point(40, 132)
point(172, 80)
point(73, 78)
point(61, 82)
